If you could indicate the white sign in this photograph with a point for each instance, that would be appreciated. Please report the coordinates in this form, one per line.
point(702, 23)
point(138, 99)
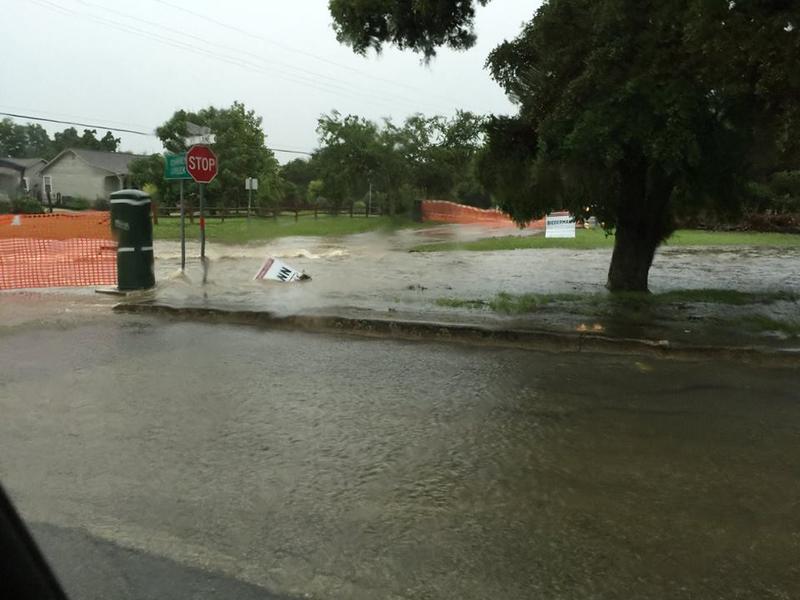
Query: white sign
point(251, 183)
point(559, 225)
point(277, 270)
point(200, 140)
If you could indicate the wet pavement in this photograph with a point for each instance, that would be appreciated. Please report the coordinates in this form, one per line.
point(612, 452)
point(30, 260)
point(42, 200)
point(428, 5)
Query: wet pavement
point(339, 468)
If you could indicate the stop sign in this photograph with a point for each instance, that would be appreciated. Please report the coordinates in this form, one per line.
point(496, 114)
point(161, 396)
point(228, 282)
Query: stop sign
point(201, 163)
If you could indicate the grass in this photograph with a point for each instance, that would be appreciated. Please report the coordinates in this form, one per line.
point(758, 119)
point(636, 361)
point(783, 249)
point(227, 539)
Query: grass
point(515, 304)
point(240, 230)
point(586, 239)
point(764, 323)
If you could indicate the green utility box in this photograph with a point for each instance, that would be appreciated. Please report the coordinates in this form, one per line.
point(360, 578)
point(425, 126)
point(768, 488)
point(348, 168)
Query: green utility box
point(132, 227)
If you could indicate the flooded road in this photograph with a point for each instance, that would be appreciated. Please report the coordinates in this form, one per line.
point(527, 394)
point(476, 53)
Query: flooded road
point(375, 271)
point(339, 468)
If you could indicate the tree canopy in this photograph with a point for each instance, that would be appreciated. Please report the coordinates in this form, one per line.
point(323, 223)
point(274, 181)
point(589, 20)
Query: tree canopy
point(423, 157)
point(635, 109)
point(419, 26)
point(240, 146)
point(32, 140)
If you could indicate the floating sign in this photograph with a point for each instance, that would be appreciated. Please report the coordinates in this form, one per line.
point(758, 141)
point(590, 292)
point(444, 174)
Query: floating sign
point(559, 225)
point(175, 166)
point(276, 270)
point(201, 163)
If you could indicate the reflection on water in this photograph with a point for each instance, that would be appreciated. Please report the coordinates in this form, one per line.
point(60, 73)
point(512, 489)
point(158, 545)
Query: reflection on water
point(353, 469)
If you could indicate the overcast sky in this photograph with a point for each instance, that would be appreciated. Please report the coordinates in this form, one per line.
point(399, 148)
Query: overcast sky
point(132, 64)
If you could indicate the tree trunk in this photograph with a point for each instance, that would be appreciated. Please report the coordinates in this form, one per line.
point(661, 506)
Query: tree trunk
point(634, 248)
point(643, 222)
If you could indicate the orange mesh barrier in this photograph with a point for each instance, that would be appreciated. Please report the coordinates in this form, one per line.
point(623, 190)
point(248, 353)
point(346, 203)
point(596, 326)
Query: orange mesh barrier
point(57, 250)
point(444, 211)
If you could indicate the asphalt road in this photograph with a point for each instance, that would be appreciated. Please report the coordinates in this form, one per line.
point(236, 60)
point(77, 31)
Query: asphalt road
point(179, 460)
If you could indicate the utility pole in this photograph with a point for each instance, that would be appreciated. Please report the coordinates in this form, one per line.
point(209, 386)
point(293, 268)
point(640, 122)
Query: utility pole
point(249, 200)
point(369, 202)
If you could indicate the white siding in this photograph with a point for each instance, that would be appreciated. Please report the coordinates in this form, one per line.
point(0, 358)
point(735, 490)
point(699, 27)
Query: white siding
point(73, 177)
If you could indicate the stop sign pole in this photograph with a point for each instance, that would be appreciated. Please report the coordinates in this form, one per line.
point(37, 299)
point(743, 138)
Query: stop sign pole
point(202, 165)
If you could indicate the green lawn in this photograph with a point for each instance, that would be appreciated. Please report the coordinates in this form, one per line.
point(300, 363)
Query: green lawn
point(515, 304)
point(591, 239)
point(239, 230)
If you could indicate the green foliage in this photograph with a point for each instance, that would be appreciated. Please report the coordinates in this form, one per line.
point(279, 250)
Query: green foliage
point(300, 172)
point(26, 205)
point(76, 203)
point(239, 146)
point(33, 141)
point(24, 141)
point(5, 204)
point(423, 157)
point(639, 110)
point(419, 26)
point(592, 239)
point(236, 231)
point(69, 138)
point(517, 304)
point(778, 193)
point(100, 204)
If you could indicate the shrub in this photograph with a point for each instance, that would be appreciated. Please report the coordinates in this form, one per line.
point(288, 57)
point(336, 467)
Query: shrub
point(76, 203)
point(100, 204)
point(26, 205)
point(5, 204)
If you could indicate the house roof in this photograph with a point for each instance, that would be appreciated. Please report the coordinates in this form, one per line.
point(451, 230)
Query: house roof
point(113, 162)
point(20, 163)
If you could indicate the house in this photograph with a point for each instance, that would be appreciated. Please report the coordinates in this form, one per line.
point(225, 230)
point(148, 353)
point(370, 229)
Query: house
point(20, 175)
point(89, 174)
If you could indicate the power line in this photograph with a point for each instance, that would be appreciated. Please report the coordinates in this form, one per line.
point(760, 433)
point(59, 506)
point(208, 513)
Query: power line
point(145, 133)
point(294, 49)
point(331, 88)
point(335, 81)
point(32, 118)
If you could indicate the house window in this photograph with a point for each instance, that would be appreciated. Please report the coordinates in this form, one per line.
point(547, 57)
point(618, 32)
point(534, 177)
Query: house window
point(26, 184)
point(47, 181)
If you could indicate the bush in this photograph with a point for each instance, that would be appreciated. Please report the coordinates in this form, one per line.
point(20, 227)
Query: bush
point(100, 204)
point(26, 205)
point(5, 204)
point(76, 203)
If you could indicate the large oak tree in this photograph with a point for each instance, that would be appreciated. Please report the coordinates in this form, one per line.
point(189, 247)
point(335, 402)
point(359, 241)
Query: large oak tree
point(637, 109)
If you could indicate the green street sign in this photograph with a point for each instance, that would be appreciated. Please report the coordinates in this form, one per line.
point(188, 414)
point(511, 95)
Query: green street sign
point(175, 166)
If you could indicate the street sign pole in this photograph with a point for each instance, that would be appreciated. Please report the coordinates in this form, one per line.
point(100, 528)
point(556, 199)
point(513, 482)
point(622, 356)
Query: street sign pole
point(175, 168)
point(202, 165)
point(183, 231)
point(249, 200)
point(202, 224)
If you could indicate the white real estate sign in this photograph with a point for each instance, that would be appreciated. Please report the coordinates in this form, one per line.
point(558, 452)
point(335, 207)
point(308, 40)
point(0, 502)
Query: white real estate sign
point(559, 225)
point(251, 183)
point(277, 270)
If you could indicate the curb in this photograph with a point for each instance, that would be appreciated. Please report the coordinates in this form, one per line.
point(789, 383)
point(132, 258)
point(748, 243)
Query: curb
point(527, 339)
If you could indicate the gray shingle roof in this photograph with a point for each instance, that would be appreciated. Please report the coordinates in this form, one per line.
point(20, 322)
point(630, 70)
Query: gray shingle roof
point(113, 162)
point(25, 163)
point(116, 162)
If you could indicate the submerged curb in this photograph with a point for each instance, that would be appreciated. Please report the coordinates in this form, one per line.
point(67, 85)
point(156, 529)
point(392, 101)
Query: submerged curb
point(529, 339)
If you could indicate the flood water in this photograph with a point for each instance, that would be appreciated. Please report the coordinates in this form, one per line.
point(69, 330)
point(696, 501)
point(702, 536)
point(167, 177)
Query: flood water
point(375, 271)
point(337, 468)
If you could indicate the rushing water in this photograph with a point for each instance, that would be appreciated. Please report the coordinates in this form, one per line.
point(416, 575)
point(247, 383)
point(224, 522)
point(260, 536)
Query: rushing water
point(375, 271)
point(338, 468)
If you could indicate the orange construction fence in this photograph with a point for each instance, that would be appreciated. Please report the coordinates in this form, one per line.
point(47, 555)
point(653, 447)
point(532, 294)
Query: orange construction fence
point(444, 211)
point(57, 250)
